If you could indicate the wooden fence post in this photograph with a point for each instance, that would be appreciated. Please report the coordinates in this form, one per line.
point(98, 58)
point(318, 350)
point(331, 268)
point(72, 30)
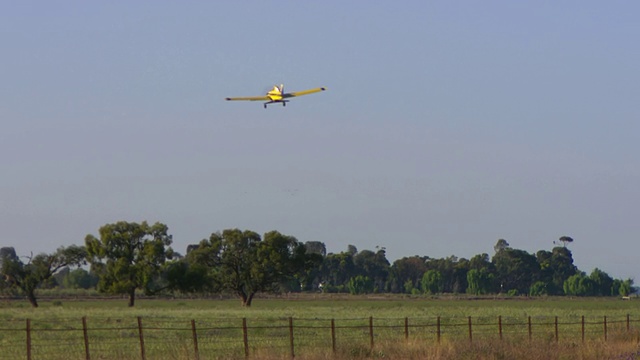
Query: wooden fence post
point(530, 332)
point(628, 322)
point(406, 328)
point(605, 328)
point(86, 338)
point(333, 335)
point(438, 328)
point(245, 337)
point(142, 352)
point(371, 330)
point(470, 331)
point(500, 326)
point(194, 333)
point(28, 339)
point(556, 324)
point(291, 337)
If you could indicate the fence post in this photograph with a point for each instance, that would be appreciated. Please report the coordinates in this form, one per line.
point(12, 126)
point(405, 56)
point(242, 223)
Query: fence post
point(406, 328)
point(245, 337)
point(86, 338)
point(628, 321)
point(529, 323)
point(556, 323)
point(333, 335)
point(605, 328)
point(371, 330)
point(195, 339)
point(28, 339)
point(470, 331)
point(500, 326)
point(142, 352)
point(291, 336)
point(438, 328)
point(582, 328)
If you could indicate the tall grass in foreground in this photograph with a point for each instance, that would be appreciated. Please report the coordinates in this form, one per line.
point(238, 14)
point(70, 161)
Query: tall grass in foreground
point(494, 349)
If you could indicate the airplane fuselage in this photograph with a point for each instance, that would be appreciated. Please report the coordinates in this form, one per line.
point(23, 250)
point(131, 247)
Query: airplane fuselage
point(276, 96)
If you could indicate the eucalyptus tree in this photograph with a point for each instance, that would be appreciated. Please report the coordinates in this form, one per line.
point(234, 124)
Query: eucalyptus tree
point(623, 287)
point(360, 284)
point(479, 282)
point(244, 264)
point(602, 283)
point(516, 270)
point(556, 267)
point(579, 285)
point(317, 247)
point(432, 282)
point(337, 270)
point(129, 256)
point(30, 275)
point(373, 265)
point(453, 271)
point(405, 274)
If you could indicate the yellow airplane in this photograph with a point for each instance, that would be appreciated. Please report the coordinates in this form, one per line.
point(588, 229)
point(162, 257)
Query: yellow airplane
point(277, 95)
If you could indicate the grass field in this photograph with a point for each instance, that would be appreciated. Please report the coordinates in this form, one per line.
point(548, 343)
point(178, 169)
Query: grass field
point(397, 327)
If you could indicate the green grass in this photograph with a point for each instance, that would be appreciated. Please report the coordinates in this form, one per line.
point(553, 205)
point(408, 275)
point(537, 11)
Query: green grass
point(113, 327)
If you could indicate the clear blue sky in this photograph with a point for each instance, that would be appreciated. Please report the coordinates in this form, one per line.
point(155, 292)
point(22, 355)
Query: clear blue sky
point(446, 125)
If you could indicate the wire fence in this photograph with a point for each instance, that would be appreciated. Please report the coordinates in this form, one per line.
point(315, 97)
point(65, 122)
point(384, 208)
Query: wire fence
point(152, 338)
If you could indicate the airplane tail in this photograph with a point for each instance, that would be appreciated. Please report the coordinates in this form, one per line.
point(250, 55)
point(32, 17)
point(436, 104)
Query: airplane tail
point(277, 90)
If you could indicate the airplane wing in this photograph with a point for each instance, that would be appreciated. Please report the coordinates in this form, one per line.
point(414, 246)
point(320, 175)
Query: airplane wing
point(250, 98)
point(303, 92)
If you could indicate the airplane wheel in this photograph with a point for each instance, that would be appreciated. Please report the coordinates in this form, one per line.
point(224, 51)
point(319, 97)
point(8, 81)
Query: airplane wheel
point(284, 104)
point(265, 106)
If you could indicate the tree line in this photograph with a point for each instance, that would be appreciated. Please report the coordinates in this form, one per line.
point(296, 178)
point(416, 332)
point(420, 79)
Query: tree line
point(127, 257)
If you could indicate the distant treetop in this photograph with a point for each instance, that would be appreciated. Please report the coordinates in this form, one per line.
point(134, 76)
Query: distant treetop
point(565, 240)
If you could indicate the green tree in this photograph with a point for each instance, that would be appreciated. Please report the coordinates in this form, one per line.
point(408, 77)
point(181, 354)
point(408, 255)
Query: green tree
point(373, 265)
point(565, 240)
point(578, 285)
point(129, 256)
point(538, 288)
point(480, 262)
point(500, 245)
point(555, 268)
point(80, 279)
point(479, 282)
point(626, 287)
point(242, 263)
point(310, 276)
point(459, 282)
point(602, 283)
point(283, 259)
point(29, 276)
point(360, 285)
point(408, 287)
point(317, 247)
point(337, 270)
point(432, 282)
point(453, 271)
point(189, 276)
point(404, 271)
point(515, 270)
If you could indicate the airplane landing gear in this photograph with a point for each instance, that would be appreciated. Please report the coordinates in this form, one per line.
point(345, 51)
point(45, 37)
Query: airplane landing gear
point(265, 105)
